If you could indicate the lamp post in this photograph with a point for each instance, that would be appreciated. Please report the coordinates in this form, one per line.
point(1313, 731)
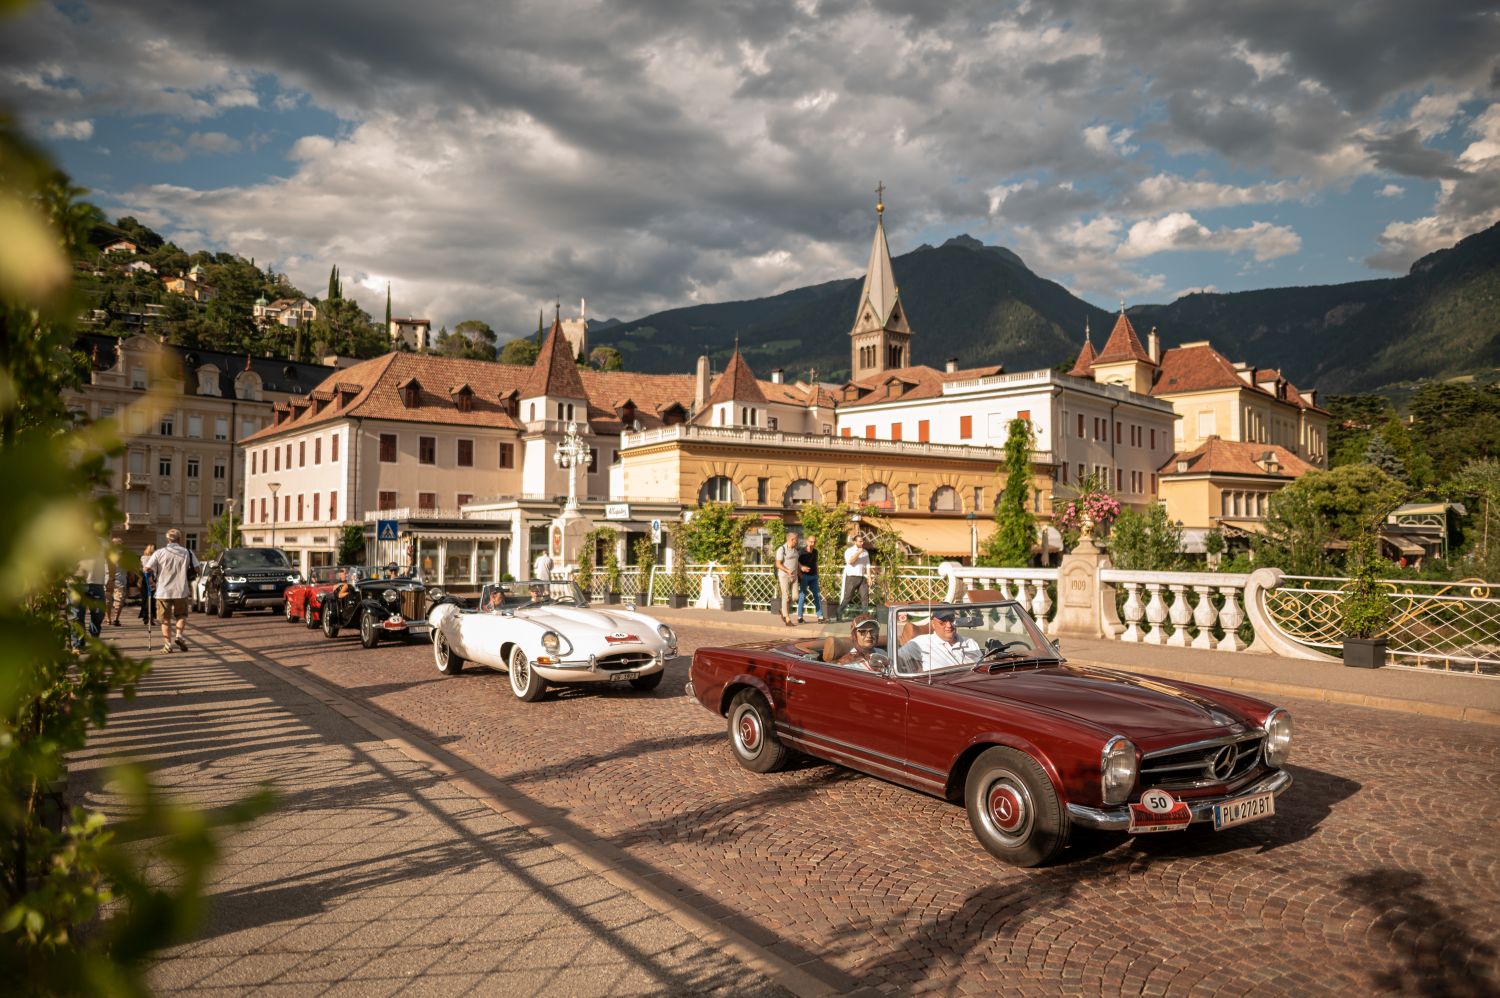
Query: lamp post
point(274, 487)
point(973, 519)
point(229, 508)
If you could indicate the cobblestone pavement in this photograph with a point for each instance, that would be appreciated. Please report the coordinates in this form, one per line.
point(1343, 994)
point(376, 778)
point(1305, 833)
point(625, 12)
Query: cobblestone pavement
point(1379, 873)
point(374, 875)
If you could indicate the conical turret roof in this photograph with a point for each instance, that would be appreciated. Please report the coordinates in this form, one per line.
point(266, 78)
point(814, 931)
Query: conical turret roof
point(556, 373)
point(1086, 356)
point(1123, 344)
point(737, 384)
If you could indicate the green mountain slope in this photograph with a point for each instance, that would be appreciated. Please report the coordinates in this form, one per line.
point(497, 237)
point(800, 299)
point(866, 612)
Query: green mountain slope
point(982, 305)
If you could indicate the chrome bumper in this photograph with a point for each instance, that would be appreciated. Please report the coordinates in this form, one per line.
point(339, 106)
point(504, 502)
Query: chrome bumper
point(1117, 817)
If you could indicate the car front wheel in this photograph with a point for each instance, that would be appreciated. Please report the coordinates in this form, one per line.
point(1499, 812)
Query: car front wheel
point(448, 662)
point(330, 622)
point(752, 735)
point(369, 633)
point(286, 610)
point(524, 682)
point(225, 610)
point(647, 683)
point(307, 616)
point(1013, 809)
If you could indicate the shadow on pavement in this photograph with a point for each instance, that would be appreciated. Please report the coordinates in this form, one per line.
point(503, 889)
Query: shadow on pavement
point(1434, 953)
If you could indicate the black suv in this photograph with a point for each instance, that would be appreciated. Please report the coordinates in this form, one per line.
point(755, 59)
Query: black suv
point(243, 578)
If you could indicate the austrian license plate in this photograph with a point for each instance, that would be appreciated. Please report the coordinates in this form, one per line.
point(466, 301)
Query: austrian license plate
point(620, 677)
point(1237, 812)
point(266, 585)
point(419, 628)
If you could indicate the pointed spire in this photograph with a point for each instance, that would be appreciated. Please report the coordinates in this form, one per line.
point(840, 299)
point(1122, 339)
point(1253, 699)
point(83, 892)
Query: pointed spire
point(880, 291)
point(737, 383)
point(1086, 356)
point(556, 372)
point(1123, 344)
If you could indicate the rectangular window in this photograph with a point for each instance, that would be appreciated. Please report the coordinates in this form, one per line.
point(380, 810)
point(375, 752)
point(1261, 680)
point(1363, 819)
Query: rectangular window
point(911, 497)
point(965, 427)
point(978, 498)
point(138, 378)
point(463, 499)
point(1082, 474)
point(1119, 480)
point(262, 509)
point(841, 491)
point(164, 504)
point(507, 455)
point(191, 466)
point(164, 466)
point(1065, 474)
point(191, 510)
point(221, 428)
point(772, 423)
point(845, 432)
point(165, 426)
point(277, 453)
point(317, 502)
point(466, 453)
point(195, 427)
point(254, 463)
point(895, 431)
point(1025, 415)
point(427, 450)
point(247, 427)
point(761, 489)
point(1153, 438)
point(317, 451)
point(1118, 427)
point(427, 500)
point(1153, 483)
point(219, 470)
point(301, 453)
point(218, 508)
point(869, 433)
point(387, 500)
point(333, 505)
point(299, 507)
point(924, 430)
point(289, 456)
point(191, 542)
point(1080, 426)
point(286, 508)
point(388, 448)
point(333, 447)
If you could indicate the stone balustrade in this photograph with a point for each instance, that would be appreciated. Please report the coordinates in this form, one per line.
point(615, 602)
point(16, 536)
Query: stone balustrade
point(1033, 588)
point(1179, 609)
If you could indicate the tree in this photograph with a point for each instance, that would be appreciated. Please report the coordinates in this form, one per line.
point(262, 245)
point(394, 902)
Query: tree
point(1381, 454)
point(1324, 506)
point(388, 305)
point(1353, 418)
point(223, 533)
point(1147, 542)
point(352, 544)
point(1454, 422)
point(711, 532)
point(471, 338)
point(520, 352)
point(1478, 482)
point(606, 359)
point(1015, 525)
point(334, 285)
point(56, 934)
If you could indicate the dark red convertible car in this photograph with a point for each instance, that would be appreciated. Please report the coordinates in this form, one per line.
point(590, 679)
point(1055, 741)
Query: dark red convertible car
point(302, 598)
point(972, 702)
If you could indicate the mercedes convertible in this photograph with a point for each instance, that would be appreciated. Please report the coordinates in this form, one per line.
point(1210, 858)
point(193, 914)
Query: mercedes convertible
point(973, 703)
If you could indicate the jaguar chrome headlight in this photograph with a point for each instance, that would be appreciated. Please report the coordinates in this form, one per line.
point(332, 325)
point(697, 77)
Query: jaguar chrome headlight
point(666, 634)
point(1117, 770)
point(1278, 737)
point(435, 593)
point(551, 642)
point(390, 596)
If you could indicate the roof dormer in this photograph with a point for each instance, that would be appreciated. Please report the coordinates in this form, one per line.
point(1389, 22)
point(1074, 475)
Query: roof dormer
point(411, 393)
point(463, 397)
point(280, 413)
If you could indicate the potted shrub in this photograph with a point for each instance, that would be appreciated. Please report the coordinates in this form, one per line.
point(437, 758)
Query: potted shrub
point(1366, 608)
point(734, 574)
point(584, 576)
point(645, 560)
point(611, 566)
point(679, 583)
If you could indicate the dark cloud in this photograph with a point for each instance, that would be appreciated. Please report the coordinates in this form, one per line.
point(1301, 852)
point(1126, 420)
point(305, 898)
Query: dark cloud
point(1404, 153)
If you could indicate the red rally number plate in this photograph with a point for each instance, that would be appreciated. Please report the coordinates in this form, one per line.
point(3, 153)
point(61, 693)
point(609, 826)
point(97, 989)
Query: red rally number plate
point(1159, 811)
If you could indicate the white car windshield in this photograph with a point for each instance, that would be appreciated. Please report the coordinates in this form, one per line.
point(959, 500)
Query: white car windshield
point(936, 637)
point(499, 597)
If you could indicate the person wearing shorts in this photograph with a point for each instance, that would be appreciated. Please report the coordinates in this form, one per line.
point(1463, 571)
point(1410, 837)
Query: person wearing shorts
point(174, 566)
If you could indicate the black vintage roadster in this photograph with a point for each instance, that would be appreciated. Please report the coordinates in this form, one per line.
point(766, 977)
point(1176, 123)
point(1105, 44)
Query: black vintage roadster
point(379, 607)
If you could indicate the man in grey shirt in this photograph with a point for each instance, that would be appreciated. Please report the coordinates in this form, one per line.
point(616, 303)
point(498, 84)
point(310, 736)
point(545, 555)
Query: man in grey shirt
point(788, 568)
point(173, 565)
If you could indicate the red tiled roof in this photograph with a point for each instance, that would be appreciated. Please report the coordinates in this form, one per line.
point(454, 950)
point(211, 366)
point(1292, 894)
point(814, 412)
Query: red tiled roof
point(925, 382)
point(1235, 457)
point(1085, 360)
point(1123, 344)
point(556, 371)
point(1195, 369)
point(736, 384)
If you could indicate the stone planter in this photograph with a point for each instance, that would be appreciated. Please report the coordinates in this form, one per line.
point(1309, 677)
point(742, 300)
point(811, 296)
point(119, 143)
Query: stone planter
point(734, 602)
point(1364, 653)
point(677, 601)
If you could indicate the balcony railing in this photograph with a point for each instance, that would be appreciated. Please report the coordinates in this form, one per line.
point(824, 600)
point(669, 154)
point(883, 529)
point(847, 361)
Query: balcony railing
point(137, 480)
point(750, 436)
point(133, 520)
point(418, 513)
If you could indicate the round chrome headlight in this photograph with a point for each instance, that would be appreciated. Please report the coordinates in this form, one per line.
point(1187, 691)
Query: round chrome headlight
point(1278, 737)
point(551, 642)
point(435, 593)
point(1117, 770)
point(666, 634)
point(390, 596)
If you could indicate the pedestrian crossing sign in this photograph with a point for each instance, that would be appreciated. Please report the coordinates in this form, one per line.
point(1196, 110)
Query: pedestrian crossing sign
point(385, 530)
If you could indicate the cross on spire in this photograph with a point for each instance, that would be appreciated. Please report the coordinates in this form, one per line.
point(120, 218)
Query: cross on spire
point(880, 197)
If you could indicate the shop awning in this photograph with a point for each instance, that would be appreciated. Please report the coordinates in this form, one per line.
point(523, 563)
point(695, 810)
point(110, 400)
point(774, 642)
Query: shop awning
point(948, 538)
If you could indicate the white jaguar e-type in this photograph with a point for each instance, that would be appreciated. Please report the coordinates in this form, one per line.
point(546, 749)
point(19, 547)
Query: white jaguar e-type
point(544, 633)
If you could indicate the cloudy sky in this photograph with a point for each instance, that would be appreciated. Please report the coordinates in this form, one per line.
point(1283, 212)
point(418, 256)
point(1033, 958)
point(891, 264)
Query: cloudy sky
point(486, 157)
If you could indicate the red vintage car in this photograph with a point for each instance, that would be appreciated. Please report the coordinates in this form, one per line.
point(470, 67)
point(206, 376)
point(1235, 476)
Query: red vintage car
point(302, 599)
point(972, 702)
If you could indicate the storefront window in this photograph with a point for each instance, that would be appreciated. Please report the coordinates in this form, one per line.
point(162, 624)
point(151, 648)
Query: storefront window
point(460, 561)
point(484, 561)
point(427, 558)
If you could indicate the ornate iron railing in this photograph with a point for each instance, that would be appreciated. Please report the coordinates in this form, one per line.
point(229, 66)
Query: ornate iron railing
point(909, 583)
point(1449, 626)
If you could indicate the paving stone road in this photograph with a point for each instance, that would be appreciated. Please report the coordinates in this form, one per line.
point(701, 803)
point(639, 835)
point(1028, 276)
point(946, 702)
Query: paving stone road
point(1380, 872)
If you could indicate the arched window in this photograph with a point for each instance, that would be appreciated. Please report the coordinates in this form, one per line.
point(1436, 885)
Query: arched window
point(800, 493)
point(945, 500)
point(878, 494)
point(719, 489)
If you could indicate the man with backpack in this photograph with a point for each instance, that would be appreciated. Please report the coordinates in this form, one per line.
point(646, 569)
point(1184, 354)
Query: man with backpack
point(175, 568)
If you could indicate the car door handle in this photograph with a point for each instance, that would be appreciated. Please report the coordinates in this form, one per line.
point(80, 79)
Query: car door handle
point(794, 679)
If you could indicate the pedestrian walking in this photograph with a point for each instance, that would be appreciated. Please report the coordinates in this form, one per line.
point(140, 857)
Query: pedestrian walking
point(175, 567)
point(148, 608)
point(114, 586)
point(856, 573)
point(88, 610)
point(808, 583)
point(787, 569)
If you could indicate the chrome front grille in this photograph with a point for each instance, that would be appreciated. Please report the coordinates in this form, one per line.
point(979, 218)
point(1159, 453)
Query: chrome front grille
point(626, 660)
point(1210, 763)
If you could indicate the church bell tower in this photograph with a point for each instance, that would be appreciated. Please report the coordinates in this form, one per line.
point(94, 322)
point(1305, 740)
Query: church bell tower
point(880, 340)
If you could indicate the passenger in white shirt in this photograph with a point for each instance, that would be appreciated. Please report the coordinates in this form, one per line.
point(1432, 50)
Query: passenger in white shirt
point(941, 648)
point(856, 574)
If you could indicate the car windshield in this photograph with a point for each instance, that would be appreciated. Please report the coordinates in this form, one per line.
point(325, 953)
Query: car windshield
point(325, 573)
point(530, 592)
point(255, 558)
point(364, 573)
point(925, 638)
